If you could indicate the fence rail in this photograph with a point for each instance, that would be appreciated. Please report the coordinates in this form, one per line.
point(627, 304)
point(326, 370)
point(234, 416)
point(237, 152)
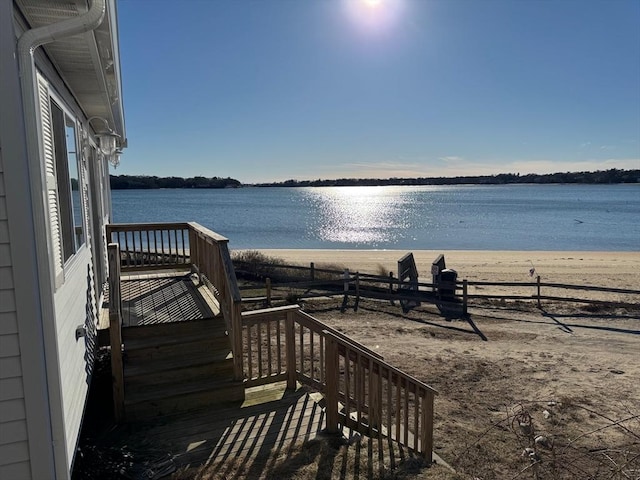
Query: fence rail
point(445, 292)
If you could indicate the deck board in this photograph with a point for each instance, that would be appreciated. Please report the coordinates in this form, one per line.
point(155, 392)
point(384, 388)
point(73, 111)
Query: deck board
point(259, 440)
point(153, 298)
point(239, 434)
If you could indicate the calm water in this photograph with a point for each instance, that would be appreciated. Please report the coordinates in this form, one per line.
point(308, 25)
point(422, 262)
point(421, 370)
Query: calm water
point(508, 217)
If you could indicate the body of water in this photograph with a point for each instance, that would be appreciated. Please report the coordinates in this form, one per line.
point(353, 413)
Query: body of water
point(461, 217)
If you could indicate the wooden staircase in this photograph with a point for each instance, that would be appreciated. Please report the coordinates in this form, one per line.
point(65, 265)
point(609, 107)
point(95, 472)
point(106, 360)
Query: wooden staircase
point(178, 366)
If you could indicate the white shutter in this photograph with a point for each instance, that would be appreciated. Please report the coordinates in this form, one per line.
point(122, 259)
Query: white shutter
point(51, 184)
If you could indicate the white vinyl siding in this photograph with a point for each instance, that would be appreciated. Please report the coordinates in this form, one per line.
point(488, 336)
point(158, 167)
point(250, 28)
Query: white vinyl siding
point(75, 306)
point(74, 297)
point(14, 446)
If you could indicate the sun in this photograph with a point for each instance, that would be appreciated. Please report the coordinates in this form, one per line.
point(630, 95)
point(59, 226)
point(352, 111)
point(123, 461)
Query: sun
point(375, 16)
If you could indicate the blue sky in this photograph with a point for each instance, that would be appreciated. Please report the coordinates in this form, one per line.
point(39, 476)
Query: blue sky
point(263, 90)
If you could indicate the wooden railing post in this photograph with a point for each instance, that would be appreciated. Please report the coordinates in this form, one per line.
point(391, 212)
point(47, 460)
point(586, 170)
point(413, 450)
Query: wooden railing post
point(193, 250)
point(236, 340)
point(115, 331)
point(375, 394)
point(332, 377)
point(426, 439)
point(290, 341)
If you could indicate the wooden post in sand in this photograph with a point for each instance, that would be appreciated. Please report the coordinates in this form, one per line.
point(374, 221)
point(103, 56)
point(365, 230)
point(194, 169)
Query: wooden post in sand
point(464, 297)
point(355, 305)
point(268, 289)
point(538, 285)
point(391, 287)
point(312, 272)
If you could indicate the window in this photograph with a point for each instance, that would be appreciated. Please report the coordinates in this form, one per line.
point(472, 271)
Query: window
point(68, 181)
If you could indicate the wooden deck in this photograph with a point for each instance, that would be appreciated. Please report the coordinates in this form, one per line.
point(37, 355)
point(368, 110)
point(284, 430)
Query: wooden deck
point(162, 297)
point(274, 433)
point(246, 437)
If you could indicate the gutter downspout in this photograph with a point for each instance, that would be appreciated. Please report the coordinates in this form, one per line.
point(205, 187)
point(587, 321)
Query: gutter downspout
point(27, 44)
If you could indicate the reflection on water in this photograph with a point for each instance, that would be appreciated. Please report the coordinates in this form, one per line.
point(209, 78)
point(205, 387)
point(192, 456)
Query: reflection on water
point(358, 215)
point(504, 217)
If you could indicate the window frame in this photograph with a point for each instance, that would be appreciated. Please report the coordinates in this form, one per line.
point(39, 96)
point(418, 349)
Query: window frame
point(71, 244)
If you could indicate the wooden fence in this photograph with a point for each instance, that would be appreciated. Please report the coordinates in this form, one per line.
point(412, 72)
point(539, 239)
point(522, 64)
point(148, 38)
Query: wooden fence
point(456, 294)
point(363, 392)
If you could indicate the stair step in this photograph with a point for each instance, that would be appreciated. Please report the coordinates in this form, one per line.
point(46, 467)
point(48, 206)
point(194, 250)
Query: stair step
point(156, 373)
point(136, 342)
point(166, 399)
point(214, 326)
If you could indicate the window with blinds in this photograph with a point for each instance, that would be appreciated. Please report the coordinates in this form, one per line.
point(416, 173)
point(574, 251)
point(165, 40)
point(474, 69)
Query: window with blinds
point(68, 181)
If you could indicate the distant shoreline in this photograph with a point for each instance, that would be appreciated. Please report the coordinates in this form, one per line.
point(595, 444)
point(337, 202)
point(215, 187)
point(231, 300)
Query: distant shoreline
point(600, 177)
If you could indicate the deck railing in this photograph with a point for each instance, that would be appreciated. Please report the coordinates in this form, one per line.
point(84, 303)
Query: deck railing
point(115, 331)
point(363, 391)
point(148, 246)
point(145, 246)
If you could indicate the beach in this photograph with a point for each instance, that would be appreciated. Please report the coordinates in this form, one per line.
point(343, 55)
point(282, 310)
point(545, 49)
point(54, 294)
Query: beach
point(571, 366)
point(601, 269)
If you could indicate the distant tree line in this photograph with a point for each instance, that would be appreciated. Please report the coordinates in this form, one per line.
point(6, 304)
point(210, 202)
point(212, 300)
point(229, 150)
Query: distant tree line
point(614, 175)
point(601, 176)
point(123, 182)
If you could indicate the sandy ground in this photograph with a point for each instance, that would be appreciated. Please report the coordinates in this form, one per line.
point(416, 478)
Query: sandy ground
point(574, 368)
point(603, 269)
point(615, 269)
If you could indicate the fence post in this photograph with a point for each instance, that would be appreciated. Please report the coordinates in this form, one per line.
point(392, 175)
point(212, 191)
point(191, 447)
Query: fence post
point(391, 288)
point(290, 340)
point(332, 379)
point(312, 271)
point(355, 305)
point(464, 296)
point(538, 285)
point(346, 279)
point(115, 331)
point(268, 288)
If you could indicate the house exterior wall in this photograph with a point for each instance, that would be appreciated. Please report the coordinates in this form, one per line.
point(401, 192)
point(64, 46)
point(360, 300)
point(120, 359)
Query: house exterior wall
point(14, 446)
point(74, 290)
point(44, 368)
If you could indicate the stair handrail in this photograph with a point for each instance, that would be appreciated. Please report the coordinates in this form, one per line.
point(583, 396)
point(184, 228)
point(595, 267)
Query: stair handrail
point(423, 423)
point(210, 258)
